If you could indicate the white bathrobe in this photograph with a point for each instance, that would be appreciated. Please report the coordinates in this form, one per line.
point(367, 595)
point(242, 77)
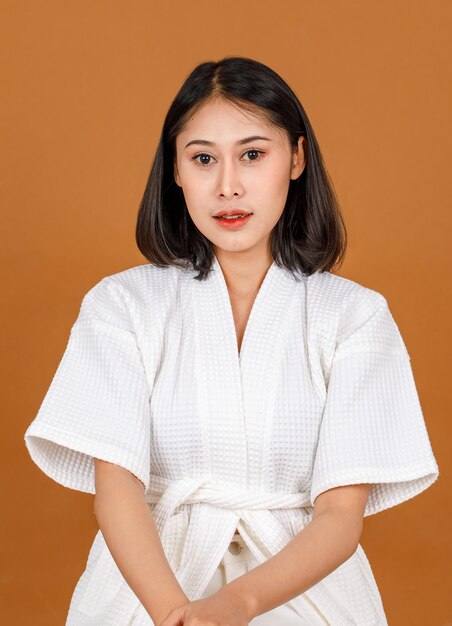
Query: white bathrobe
point(321, 395)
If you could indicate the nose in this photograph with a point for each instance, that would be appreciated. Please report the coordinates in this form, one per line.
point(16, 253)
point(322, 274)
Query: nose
point(228, 183)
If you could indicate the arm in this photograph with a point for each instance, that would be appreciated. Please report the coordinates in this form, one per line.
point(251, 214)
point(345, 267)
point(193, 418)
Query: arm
point(132, 538)
point(326, 542)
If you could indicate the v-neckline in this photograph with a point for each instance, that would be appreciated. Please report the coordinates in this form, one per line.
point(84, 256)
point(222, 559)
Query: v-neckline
point(236, 390)
point(256, 303)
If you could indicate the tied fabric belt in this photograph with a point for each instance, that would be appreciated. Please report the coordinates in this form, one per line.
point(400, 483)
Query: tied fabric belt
point(218, 508)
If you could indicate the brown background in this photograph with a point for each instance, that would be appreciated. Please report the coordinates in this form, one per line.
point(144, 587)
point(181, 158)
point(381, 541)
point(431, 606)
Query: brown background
point(85, 88)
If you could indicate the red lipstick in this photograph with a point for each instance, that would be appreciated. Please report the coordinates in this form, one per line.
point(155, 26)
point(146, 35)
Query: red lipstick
point(226, 219)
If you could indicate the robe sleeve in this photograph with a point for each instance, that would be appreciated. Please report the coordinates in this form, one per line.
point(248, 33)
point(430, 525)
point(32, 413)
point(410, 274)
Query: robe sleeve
point(97, 404)
point(373, 429)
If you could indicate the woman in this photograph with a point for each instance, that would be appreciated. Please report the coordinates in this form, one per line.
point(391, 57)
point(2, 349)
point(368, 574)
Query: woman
point(235, 407)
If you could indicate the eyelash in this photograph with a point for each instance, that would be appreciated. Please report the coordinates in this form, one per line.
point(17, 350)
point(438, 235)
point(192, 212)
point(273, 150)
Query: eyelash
point(260, 152)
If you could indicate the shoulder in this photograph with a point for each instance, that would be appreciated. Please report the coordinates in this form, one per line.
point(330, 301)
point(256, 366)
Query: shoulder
point(141, 280)
point(344, 297)
point(360, 316)
point(123, 297)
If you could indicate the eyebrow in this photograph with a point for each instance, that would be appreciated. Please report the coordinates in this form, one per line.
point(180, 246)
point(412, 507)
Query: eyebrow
point(204, 142)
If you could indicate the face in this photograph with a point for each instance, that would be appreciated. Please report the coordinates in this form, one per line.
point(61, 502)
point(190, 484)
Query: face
point(227, 158)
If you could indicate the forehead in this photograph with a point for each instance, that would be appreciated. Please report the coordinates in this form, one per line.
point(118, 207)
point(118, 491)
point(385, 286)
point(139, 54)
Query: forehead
point(220, 121)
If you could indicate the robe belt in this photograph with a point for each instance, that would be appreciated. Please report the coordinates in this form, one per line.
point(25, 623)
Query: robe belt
point(218, 508)
point(169, 494)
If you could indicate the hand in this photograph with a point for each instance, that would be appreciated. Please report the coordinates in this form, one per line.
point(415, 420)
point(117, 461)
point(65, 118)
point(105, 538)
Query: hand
point(221, 608)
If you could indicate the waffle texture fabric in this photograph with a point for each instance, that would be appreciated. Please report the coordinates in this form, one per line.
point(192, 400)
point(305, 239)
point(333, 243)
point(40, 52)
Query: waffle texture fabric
point(321, 395)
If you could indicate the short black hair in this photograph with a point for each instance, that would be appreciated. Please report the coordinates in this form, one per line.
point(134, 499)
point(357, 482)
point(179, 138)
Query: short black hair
point(310, 235)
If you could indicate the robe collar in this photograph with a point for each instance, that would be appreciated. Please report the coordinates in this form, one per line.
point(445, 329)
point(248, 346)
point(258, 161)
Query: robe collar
point(235, 393)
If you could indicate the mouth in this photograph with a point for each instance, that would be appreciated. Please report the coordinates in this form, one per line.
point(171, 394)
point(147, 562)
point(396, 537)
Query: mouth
point(232, 217)
point(233, 220)
point(231, 213)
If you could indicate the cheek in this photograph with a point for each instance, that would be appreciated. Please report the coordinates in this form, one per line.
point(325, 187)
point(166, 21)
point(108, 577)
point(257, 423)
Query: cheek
point(195, 187)
point(272, 180)
point(196, 199)
point(271, 192)
point(193, 193)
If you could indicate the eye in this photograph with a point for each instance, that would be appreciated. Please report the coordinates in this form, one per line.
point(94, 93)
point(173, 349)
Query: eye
point(204, 155)
point(258, 152)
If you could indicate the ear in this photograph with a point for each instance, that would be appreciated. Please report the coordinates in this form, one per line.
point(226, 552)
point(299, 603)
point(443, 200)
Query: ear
point(298, 159)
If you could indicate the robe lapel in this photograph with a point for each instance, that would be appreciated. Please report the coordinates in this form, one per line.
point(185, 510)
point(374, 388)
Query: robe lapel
point(236, 392)
point(218, 379)
point(263, 349)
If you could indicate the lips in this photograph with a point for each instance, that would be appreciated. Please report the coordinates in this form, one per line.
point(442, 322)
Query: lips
point(230, 212)
point(233, 222)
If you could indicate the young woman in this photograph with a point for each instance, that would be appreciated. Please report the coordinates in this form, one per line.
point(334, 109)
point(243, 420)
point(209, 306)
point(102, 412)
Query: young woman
point(235, 407)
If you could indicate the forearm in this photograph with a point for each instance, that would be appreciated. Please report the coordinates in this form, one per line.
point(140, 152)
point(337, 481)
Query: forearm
point(324, 544)
point(131, 535)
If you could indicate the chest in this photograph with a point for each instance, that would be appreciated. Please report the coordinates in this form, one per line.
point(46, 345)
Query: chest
point(233, 397)
point(241, 307)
